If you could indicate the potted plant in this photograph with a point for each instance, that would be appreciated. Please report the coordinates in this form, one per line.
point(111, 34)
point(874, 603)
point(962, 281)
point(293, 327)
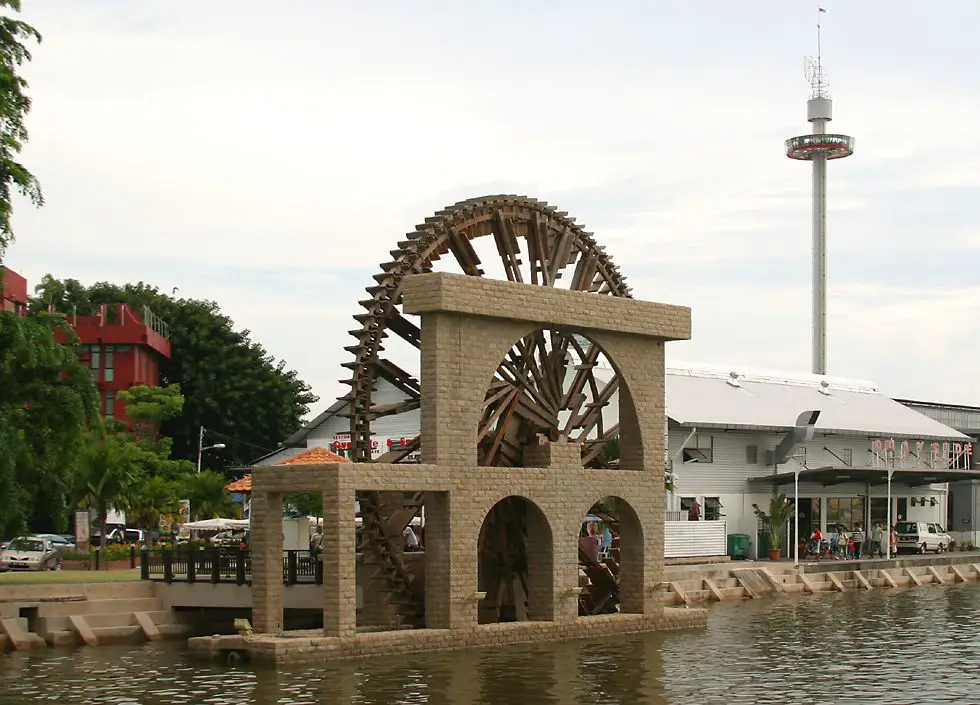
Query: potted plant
point(780, 511)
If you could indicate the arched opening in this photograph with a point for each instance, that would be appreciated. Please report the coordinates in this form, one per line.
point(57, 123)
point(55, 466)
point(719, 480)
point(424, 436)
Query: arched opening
point(610, 556)
point(556, 384)
point(515, 555)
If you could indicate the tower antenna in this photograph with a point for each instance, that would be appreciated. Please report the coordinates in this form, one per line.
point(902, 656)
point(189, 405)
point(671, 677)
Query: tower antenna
point(819, 147)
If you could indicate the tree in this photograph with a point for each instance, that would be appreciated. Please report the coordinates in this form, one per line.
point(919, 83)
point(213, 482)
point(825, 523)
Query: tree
point(108, 469)
point(231, 385)
point(611, 454)
point(207, 495)
point(48, 398)
point(151, 499)
point(14, 107)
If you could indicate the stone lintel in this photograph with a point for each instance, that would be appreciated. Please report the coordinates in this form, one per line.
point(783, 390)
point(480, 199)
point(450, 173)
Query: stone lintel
point(365, 477)
point(440, 292)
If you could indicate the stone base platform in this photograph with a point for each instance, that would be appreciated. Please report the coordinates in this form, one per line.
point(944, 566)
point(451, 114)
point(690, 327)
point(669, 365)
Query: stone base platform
point(311, 646)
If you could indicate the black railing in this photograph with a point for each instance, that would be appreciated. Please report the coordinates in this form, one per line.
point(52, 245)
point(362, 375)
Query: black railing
point(224, 565)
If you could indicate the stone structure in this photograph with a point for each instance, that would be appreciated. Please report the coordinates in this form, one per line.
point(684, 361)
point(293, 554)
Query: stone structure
point(468, 325)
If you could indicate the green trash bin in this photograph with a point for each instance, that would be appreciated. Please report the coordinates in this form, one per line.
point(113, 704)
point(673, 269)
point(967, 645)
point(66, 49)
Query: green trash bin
point(738, 546)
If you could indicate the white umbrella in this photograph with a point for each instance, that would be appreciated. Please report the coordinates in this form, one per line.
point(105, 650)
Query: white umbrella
point(217, 524)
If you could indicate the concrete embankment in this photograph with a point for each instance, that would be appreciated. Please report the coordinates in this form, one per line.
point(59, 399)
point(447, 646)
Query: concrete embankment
point(36, 616)
point(716, 582)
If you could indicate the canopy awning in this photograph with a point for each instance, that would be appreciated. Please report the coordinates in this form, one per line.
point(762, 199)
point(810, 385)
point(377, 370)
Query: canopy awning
point(217, 525)
point(831, 475)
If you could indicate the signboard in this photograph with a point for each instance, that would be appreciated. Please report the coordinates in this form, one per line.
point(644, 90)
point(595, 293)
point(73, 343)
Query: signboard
point(82, 529)
point(930, 454)
point(341, 443)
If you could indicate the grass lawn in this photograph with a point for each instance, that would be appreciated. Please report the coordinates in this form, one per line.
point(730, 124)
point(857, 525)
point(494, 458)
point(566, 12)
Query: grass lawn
point(60, 577)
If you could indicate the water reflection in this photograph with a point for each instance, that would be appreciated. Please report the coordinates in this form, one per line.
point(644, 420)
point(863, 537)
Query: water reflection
point(886, 646)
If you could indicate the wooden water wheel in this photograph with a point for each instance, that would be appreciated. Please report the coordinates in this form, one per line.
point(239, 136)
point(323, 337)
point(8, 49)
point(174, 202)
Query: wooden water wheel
point(545, 384)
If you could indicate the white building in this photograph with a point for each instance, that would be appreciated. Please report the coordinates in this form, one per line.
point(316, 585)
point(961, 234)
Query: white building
point(723, 427)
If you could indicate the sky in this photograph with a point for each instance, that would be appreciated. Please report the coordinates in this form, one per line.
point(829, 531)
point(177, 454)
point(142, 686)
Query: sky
point(268, 155)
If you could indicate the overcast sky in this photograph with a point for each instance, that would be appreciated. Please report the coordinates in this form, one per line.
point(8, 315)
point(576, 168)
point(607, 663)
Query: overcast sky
point(268, 155)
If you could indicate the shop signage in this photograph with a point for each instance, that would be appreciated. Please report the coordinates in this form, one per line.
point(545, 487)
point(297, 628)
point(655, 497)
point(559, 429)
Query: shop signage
point(952, 454)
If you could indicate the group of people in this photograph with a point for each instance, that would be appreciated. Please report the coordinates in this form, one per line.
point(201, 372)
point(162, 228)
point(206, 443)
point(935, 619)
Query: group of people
point(843, 544)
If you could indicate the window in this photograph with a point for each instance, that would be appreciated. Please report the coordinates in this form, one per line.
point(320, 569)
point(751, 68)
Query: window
point(699, 449)
point(847, 511)
point(847, 456)
point(94, 362)
point(110, 372)
point(752, 455)
point(110, 405)
point(712, 509)
point(800, 455)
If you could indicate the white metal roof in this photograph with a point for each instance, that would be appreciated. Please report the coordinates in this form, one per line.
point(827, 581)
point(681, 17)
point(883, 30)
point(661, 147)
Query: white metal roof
point(714, 396)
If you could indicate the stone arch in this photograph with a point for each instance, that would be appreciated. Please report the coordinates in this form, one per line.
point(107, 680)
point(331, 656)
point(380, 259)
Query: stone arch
point(515, 562)
point(632, 434)
point(626, 562)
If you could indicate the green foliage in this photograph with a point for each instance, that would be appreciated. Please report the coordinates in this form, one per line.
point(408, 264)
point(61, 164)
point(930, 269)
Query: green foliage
point(108, 472)
point(150, 499)
point(304, 504)
point(230, 384)
point(148, 407)
point(14, 107)
point(109, 553)
point(780, 511)
point(206, 491)
point(47, 399)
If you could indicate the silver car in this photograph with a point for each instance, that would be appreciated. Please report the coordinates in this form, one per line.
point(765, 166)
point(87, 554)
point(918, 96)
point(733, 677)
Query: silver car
point(29, 553)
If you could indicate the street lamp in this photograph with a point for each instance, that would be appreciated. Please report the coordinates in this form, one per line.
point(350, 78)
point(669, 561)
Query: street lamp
point(801, 433)
point(201, 448)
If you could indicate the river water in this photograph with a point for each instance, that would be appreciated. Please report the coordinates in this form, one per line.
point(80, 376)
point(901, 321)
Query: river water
point(892, 647)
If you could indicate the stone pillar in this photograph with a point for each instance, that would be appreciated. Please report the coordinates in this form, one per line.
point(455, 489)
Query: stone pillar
point(447, 414)
point(565, 567)
point(266, 550)
point(450, 565)
point(541, 587)
point(339, 564)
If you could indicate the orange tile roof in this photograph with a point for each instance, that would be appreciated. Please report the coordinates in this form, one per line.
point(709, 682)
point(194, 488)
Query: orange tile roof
point(241, 485)
point(314, 456)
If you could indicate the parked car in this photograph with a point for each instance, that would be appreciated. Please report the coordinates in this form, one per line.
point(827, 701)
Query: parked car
point(228, 539)
point(60, 543)
point(921, 536)
point(3, 543)
point(29, 553)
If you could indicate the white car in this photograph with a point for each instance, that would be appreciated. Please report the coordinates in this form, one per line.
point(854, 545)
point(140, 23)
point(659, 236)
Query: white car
point(29, 553)
point(921, 536)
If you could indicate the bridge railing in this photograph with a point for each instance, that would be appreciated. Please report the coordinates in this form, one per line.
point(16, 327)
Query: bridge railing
point(224, 565)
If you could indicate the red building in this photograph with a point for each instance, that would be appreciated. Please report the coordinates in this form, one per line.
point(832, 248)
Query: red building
point(13, 292)
point(123, 350)
point(122, 347)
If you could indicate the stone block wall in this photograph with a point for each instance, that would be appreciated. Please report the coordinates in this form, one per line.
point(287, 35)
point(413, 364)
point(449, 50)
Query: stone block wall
point(468, 325)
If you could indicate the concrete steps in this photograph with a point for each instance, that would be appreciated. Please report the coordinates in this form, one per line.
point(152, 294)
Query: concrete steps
point(87, 607)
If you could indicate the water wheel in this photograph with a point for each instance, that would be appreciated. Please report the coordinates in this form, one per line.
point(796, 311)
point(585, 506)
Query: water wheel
point(545, 384)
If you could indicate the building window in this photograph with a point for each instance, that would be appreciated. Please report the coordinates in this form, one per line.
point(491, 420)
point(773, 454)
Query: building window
point(846, 511)
point(110, 370)
point(846, 456)
point(110, 405)
point(94, 361)
point(800, 455)
point(712, 508)
point(699, 449)
point(752, 455)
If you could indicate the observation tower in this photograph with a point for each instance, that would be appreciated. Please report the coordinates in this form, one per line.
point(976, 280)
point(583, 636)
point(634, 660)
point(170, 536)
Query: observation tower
point(819, 147)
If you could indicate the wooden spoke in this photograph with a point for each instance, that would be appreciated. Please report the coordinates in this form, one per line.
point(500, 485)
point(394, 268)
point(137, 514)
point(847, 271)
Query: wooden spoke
point(508, 247)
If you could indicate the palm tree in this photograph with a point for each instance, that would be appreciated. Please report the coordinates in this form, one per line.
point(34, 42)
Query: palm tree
point(207, 495)
point(107, 470)
point(150, 500)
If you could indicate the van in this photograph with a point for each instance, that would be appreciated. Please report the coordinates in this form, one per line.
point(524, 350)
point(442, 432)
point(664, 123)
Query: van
point(921, 536)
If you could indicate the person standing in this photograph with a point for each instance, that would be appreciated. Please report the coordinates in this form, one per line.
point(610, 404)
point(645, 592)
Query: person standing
point(316, 541)
point(694, 513)
point(877, 541)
